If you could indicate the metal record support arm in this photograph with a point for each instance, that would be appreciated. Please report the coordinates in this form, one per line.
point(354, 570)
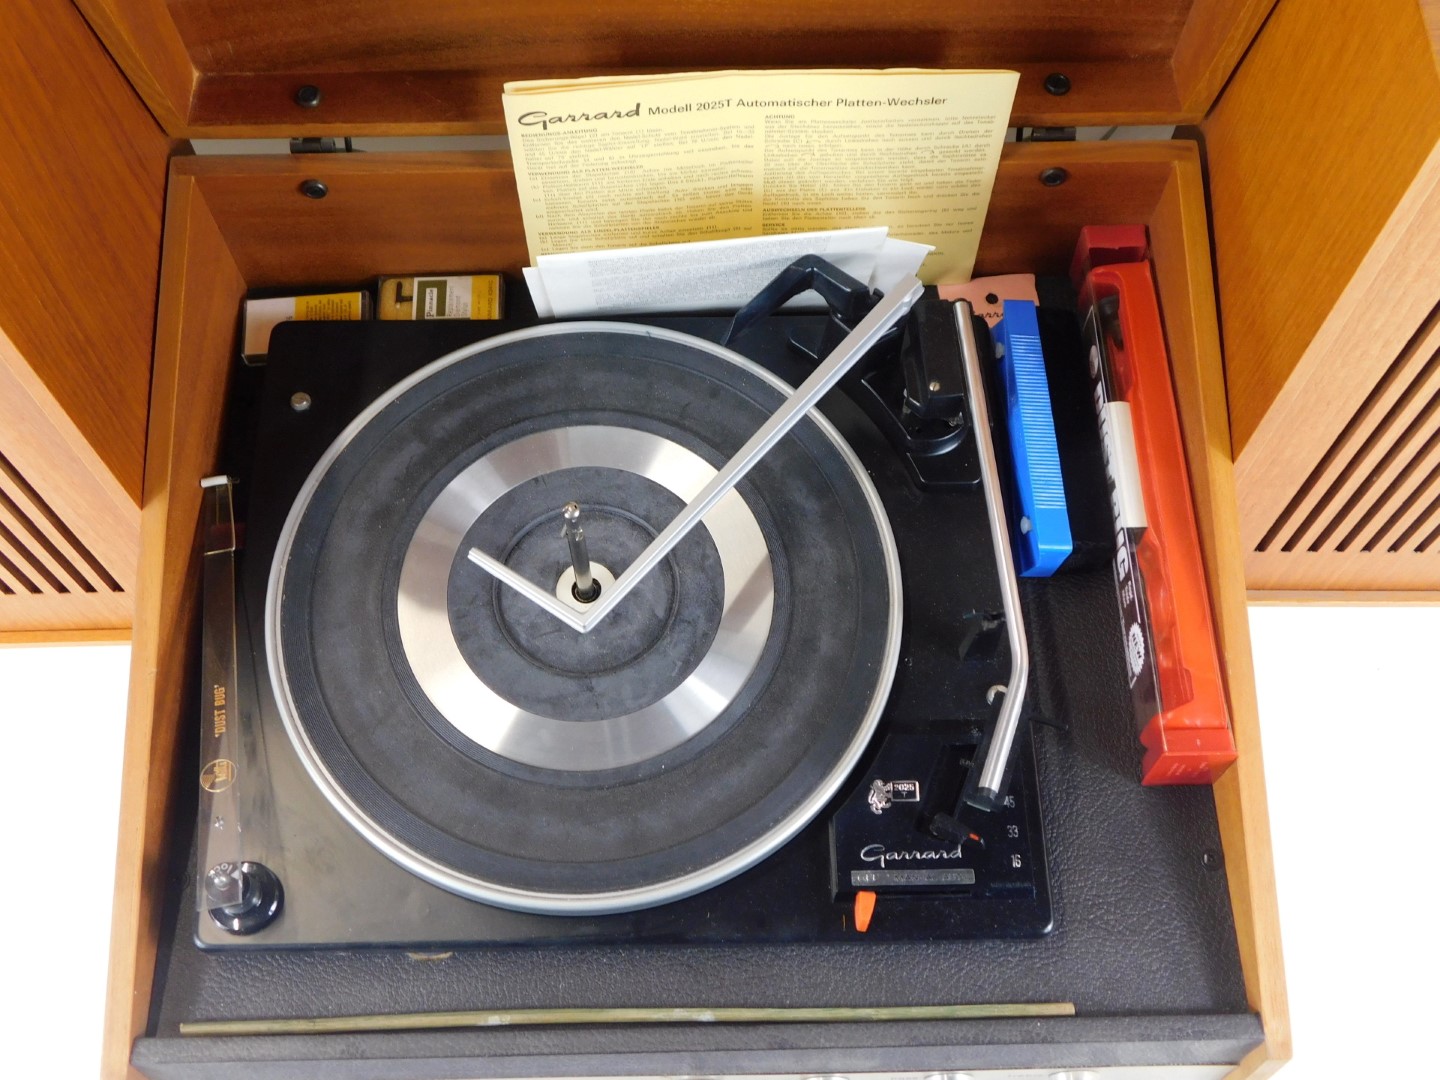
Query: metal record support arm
point(986, 789)
point(221, 851)
point(240, 894)
point(822, 380)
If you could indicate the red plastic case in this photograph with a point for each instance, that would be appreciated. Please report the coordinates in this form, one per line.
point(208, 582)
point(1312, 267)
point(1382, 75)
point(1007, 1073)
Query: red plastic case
point(1180, 700)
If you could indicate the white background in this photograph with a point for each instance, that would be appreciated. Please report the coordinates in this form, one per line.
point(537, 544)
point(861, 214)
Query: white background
point(1350, 706)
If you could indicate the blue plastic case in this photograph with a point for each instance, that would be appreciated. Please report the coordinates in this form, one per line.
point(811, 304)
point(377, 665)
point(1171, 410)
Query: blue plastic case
point(1041, 522)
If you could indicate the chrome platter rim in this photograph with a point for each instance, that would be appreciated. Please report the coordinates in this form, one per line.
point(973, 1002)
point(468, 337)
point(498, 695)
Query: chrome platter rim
point(607, 901)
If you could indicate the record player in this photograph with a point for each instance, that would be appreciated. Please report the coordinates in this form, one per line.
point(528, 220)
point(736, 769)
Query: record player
point(1163, 913)
point(236, 224)
point(889, 889)
point(411, 750)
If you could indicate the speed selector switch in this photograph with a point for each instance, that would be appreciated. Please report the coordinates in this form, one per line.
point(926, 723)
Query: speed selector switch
point(260, 896)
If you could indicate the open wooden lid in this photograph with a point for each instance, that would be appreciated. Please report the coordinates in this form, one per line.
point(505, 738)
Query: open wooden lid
point(234, 68)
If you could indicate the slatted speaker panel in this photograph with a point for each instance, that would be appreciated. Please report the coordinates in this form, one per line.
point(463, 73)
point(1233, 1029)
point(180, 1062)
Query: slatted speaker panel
point(48, 576)
point(1368, 514)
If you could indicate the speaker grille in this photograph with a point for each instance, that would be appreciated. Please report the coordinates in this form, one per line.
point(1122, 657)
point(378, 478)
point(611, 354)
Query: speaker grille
point(39, 554)
point(1376, 489)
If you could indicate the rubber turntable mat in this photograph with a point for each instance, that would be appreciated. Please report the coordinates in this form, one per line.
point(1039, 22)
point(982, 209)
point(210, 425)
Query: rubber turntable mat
point(1144, 943)
point(658, 826)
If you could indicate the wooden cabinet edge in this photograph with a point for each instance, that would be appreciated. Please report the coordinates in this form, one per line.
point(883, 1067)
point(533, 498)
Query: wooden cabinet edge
point(196, 258)
point(1185, 281)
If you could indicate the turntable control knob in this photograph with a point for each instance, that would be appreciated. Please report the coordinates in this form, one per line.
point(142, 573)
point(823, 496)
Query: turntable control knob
point(261, 897)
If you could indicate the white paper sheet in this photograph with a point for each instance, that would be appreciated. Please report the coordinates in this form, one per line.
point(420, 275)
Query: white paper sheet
point(710, 275)
point(897, 259)
point(535, 282)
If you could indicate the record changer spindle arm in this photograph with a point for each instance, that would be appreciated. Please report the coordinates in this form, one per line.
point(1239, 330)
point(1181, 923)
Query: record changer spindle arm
point(890, 310)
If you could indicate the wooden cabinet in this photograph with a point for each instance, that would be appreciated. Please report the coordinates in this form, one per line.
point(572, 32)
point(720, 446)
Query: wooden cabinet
point(229, 69)
point(82, 182)
point(240, 223)
point(1324, 156)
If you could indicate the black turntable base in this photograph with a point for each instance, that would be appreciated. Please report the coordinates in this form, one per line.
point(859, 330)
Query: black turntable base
point(731, 718)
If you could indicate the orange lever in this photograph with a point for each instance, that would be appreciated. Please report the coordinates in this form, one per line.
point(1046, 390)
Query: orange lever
point(864, 908)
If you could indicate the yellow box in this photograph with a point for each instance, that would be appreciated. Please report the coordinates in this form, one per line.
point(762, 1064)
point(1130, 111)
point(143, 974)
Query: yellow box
point(473, 296)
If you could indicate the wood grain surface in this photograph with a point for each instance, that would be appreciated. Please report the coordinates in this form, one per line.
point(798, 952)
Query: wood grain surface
point(580, 36)
point(82, 179)
point(1380, 440)
point(417, 214)
point(1310, 149)
point(146, 43)
point(1138, 91)
point(1331, 598)
point(1211, 43)
point(1184, 281)
point(222, 68)
point(1032, 228)
point(60, 510)
point(200, 294)
point(1359, 411)
point(15, 639)
point(425, 212)
point(1324, 158)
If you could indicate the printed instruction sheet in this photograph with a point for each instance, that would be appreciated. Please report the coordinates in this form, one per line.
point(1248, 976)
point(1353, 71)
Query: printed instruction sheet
point(631, 162)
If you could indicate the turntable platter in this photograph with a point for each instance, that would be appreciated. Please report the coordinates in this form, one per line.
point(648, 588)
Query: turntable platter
point(497, 752)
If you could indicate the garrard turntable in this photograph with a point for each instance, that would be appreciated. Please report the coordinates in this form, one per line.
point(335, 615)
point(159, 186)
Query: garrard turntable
point(1127, 879)
point(496, 680)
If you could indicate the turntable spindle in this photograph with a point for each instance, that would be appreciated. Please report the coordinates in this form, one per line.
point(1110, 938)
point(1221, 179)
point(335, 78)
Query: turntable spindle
point(586, 587)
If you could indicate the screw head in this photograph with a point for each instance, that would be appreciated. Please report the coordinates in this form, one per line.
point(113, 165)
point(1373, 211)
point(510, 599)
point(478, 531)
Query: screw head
point(314, 189)
point(934, 385)
point(300, 401)
point(1057, 83)
point(1211, 859)
point(307, 97)
point(1053, 177)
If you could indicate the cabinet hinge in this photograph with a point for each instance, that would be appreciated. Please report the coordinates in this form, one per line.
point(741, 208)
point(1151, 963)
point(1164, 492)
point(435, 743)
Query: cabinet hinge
point(321, 146)
point(1044, 134)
